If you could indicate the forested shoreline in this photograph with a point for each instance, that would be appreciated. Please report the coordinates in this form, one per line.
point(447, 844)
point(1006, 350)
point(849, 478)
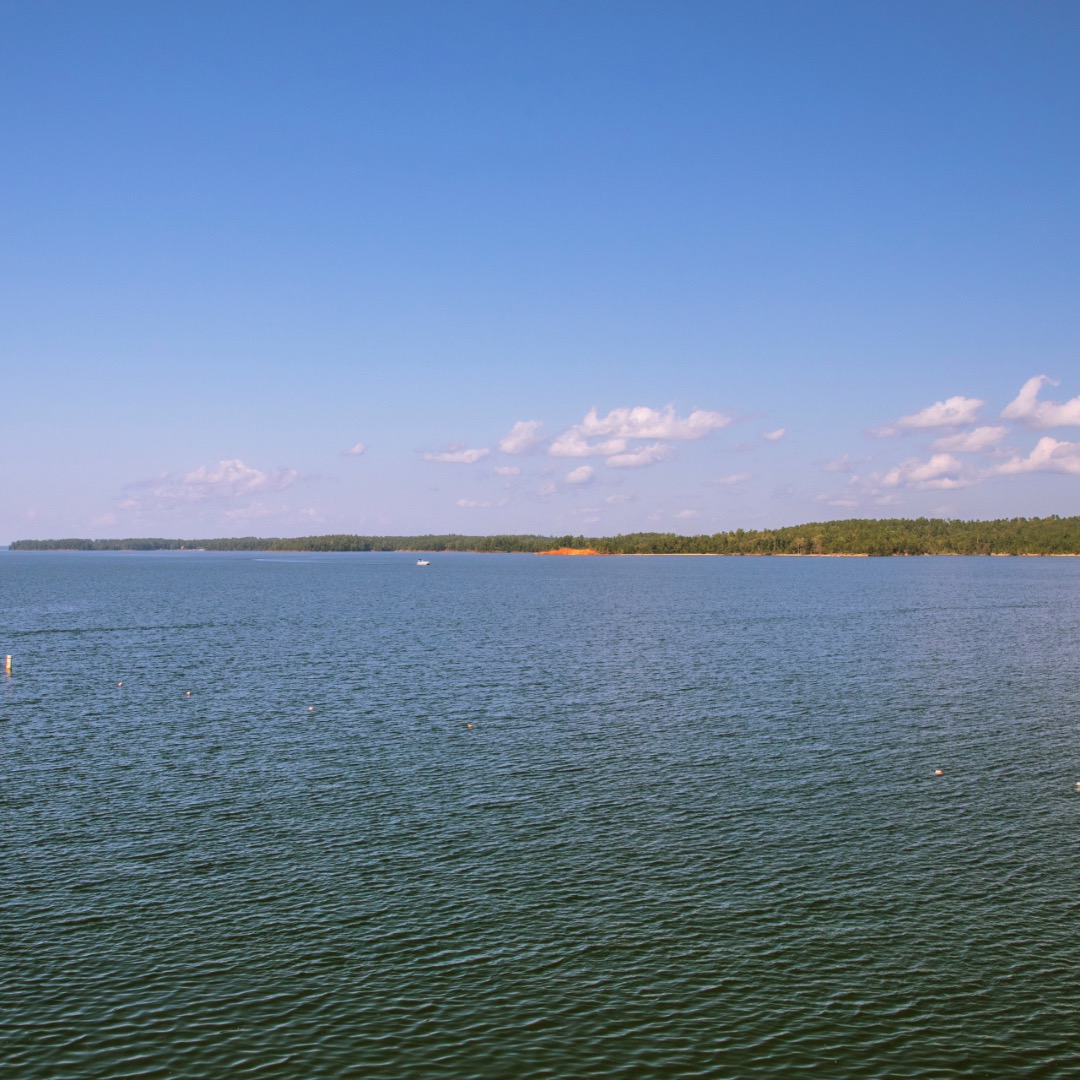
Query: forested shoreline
point(855, 536)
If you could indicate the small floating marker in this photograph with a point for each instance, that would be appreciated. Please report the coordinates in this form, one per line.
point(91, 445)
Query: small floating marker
point(187, 693)
point(311, 708)
point(937, 772)
point(470, 725)
point(119, 684)
point(7, 666)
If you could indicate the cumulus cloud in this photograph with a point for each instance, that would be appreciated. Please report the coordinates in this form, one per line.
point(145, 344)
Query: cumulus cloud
point(581, 475)
point(458, 457)
point(228, 479)
point(685, 515)
point(972, 442)
point(731, 481)
point(639, 458)
point(573, 443)
point(1049, 455)
point(774, 436)
point(610, 436)
point(641, 422)
point(473, 504)
point(356, 451)
point(522, 437)
point(507, 470)
point(942, 472)
point(1028, 409)
point(952, 412)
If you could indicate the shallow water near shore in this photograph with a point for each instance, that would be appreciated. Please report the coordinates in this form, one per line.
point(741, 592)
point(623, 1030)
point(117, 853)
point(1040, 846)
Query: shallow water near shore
point(694, 828)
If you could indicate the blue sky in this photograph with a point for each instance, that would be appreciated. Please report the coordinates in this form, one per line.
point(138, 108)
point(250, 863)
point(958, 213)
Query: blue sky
point(292, 268)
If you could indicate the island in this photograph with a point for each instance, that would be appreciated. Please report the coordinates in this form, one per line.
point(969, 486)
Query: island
point(1052, 535)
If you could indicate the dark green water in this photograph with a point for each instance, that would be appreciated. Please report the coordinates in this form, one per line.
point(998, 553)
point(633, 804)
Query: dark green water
point(694, 830)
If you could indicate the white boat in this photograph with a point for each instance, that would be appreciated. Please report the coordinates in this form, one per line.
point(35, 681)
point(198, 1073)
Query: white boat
point(423, 562)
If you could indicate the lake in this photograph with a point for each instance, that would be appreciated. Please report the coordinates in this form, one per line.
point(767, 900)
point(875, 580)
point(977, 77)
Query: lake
point(520, 816)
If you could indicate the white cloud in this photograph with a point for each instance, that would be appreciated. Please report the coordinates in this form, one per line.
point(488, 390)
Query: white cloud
point(458, 457)
point(522, 437)
point(619, 497)
point(972, 442)
point(644, 455)
point(507, 470)
point(356, 451)
point(473, 504)
point(952, 412)
point(731, 481)
point(547, 489)
point(641, 422)
point(581, 475)
point(1041, 414)
point(774, 436)
point(845, 504)
point(622, 425)
point(1049, 455)
point(573, 443)
point(685, 515)
point(230, 478)
point(942, 472)
point(840, 465)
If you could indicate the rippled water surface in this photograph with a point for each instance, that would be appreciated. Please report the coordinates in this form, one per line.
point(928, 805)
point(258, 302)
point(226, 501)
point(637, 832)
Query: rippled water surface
point(515, 816)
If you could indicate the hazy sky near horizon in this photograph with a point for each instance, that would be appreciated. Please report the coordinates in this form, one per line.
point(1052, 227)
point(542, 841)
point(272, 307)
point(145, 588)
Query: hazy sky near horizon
point(284, 268)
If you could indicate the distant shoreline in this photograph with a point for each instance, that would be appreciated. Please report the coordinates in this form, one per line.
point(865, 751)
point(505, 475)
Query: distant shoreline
point(582, 554)
point(851, 538)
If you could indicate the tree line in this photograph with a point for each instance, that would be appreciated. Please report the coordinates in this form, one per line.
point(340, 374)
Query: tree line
point(855, 536)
